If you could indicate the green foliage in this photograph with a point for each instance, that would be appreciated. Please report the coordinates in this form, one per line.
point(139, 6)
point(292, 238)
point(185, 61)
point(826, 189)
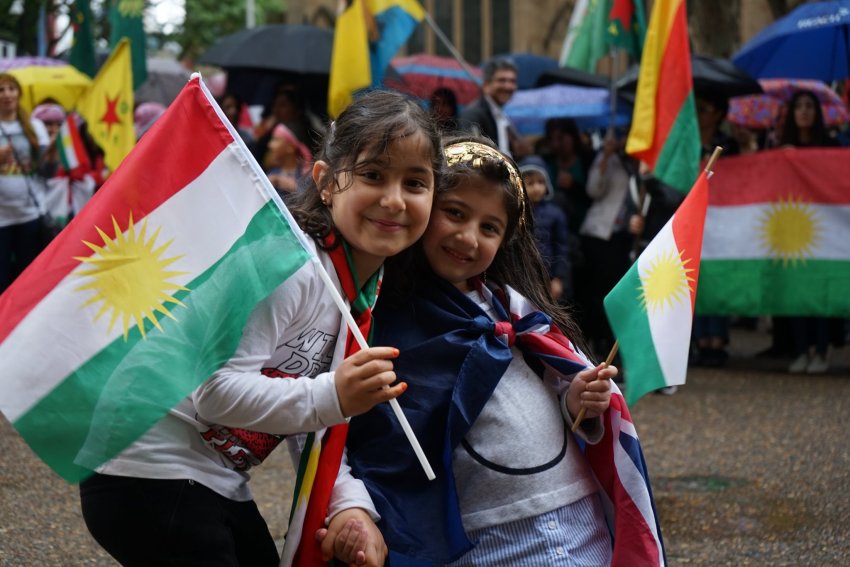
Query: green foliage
point(209, 20)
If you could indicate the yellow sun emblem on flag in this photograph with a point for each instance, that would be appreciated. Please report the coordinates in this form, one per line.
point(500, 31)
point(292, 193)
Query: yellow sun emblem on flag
point(666, 281)
point(129, 277)
point(790, 230)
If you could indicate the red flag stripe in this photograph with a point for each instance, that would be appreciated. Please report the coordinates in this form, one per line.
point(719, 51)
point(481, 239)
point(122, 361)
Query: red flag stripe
point(143, 190)
point(688, 223)
point(818, 174)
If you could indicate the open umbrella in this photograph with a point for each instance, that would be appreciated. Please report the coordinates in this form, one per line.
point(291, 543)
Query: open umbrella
point(589, 106)
point(258, 60)
point(768, 109)
point(166, 78)
point(718, 76)
point(43, 78)
point(811, 42)
point(422, 74)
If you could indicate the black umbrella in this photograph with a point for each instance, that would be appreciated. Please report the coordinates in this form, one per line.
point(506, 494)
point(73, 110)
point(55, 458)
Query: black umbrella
point(717, 76)
point(259, 60)
point(276, 47)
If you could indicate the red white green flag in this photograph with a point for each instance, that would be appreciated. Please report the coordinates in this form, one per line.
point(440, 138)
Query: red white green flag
point(664, 132)
point(652, 307)
point(777, 235)
point(146, 291)
point(596, 25)
point(72, 152)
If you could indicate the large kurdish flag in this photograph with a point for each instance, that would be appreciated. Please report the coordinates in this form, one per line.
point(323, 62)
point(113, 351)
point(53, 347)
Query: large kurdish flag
point(777, 235)
point(664, 132)
point(652, 307)
point(145, 293)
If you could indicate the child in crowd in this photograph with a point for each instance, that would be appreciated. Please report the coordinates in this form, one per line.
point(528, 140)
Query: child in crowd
point(287, 160)
point(179, 495)
point(495, 383)
point(550, 226)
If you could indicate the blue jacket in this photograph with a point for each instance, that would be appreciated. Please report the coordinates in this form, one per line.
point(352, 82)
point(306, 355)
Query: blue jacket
point(550, 231)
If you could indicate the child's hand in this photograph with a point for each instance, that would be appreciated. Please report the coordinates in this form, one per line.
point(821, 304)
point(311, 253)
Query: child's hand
point(591, 389)
point(361, 378)
point(354, 538)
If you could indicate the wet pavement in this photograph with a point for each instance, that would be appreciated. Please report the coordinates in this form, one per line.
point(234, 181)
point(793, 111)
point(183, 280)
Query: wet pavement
point(750, 466)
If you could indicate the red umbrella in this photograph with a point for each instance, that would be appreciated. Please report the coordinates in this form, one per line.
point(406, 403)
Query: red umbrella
point(768, 110)
point(420, 75)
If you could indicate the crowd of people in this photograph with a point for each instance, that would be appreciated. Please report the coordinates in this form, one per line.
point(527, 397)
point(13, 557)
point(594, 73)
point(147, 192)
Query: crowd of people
point(466, 229)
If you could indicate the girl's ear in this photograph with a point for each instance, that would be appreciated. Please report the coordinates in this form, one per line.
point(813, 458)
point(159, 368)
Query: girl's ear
point(320, 169)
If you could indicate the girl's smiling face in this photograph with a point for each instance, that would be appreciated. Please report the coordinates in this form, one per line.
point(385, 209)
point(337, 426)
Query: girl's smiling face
point(384, 204)
point(467, 228)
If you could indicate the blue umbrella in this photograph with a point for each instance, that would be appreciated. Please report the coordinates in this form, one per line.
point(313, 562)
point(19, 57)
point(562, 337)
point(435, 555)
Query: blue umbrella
point(809, 43)
point(590, 107)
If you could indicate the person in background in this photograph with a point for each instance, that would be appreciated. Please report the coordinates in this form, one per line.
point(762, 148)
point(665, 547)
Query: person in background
point(287, 160)
point(805, 128)
point(550, 227)
point(486, 116)
point(605, 238)
point(444, 109)
point(286, 108)
point(145, 115)
point(23, 145)
point(231, 105)
point(66, 191)
point(711, 332)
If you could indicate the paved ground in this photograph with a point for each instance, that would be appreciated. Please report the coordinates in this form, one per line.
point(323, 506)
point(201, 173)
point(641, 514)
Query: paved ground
point(750, 466)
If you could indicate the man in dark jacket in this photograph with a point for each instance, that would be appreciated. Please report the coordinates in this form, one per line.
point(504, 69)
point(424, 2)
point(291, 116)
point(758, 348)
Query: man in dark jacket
point(486, 117)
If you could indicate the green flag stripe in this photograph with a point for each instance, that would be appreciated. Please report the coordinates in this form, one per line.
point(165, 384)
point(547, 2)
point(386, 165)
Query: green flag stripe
point(630, 324)
point(678, 162)
point(133, 384)
point(767, 287)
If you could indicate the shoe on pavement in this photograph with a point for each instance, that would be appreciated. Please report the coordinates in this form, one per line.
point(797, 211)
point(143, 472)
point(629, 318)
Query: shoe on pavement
point(817, 365)
point(668, 390)
point(800, 364)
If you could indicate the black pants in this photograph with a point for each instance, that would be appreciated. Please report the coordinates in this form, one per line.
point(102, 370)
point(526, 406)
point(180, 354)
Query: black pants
point(150, 523)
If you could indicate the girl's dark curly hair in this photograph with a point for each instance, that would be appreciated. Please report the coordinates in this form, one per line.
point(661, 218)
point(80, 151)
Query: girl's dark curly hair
point(363, 132)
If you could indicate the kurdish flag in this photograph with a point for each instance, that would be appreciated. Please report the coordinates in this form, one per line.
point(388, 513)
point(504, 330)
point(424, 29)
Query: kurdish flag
point(107, 107)
point(72, 152)
point(652, 307)
point(146, 291)
point(664, 132)
point(777, 235)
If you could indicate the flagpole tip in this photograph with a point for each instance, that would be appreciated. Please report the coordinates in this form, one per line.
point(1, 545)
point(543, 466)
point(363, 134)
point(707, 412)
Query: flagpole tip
point(195, 75)
point(714, 156)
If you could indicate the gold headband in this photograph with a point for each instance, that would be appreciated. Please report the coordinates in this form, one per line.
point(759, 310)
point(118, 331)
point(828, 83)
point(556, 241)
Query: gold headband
point(471, 154)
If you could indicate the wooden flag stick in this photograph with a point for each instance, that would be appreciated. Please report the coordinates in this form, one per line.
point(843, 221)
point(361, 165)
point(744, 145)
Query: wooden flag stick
point(709, 167)
point(605, 364)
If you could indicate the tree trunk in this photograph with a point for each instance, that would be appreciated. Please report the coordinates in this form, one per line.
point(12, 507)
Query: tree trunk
point(714, 27)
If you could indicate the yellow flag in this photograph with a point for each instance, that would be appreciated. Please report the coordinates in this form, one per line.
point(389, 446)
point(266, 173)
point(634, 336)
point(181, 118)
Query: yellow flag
point(350, 66)
point(107, 106)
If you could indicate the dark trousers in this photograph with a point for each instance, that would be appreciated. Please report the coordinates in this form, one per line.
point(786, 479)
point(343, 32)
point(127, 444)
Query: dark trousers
point(148, 522)
point(19, 245)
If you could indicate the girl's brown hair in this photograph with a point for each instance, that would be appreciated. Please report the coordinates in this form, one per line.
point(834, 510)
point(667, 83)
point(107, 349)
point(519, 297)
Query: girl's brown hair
point(365, 130)
point(23, 115)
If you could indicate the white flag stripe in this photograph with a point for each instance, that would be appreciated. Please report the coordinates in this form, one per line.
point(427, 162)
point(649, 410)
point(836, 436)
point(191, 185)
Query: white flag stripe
point(737, 232)
point(670, 324)
point(32, 375)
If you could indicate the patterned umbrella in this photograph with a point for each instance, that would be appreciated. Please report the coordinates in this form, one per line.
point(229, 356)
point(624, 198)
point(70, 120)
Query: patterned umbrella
point(420, 75)
point(768, 110)
point(43, 78)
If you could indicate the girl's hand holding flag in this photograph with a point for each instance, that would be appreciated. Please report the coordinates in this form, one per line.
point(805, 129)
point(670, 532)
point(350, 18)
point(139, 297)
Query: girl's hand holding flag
point(361, 378)
point(589, 394)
